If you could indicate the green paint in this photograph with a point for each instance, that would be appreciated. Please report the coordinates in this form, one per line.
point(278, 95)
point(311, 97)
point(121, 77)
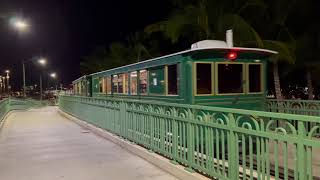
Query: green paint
point(156, 81)
point(211, 140)
point(10, 104)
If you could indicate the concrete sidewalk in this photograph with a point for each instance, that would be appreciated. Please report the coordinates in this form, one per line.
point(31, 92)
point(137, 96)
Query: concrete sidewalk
point(42, 145)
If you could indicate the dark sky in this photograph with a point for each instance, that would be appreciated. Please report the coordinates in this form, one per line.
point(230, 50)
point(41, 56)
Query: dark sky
point(65, 31)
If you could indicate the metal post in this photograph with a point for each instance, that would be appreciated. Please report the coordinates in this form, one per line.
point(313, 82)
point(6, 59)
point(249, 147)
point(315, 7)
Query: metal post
point(4, 85)
point(8, 87)
point(24, 79)
point(40, 87)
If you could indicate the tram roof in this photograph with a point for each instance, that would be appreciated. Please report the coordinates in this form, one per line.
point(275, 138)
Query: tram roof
point(261, 53)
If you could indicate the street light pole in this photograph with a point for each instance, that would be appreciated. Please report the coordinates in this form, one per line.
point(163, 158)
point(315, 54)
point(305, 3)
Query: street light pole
point(8, 84)
point(40, 88)
point(42, 62)
point(24, 79)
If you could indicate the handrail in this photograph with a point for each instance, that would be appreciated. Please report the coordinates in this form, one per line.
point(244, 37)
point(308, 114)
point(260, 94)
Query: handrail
point(9, 104)
point(302, 107)
point(211, 108)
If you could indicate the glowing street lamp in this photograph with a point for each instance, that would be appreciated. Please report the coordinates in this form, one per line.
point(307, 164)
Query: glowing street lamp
point(8, 77)
point(19, 24)
point(53, 75)
point(42, 61)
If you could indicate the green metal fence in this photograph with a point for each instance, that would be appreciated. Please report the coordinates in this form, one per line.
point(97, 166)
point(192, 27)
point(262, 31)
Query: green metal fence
point(4, 108)
point(303, 107)
point(217, 142)
point(9, 104)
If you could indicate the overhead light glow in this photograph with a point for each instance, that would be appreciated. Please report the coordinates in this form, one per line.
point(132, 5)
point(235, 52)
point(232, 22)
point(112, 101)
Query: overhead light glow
point(19, 24)
point(53, 75)
point(42, 61)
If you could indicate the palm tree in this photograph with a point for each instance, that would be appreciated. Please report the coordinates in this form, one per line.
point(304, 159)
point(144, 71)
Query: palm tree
point(209, 19)
point(136, 44)
point(306, 56)
point(118, 54)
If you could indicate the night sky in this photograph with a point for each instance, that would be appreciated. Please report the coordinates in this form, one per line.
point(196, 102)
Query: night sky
point(65, 31)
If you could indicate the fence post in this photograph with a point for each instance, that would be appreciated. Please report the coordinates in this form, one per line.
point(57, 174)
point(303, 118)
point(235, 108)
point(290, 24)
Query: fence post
point(301, 151)
point(190, 141)
point(232, 143)
point(122, 119)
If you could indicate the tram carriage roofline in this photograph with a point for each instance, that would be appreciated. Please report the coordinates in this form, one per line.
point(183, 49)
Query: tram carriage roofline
point(194, 50)
point(79, 79)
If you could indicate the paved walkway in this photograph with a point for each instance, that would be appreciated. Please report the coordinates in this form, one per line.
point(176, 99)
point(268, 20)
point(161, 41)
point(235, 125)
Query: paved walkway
point(41, 145)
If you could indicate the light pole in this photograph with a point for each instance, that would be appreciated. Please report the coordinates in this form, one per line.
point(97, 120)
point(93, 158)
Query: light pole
point(42, 62)
point(1, 85)
point(54, 76)
point(21, 25)
point(8, 84)
point(4, 84)
point(41, 87)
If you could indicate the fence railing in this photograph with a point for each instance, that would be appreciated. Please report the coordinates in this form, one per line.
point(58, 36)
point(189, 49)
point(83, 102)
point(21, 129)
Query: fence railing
point(9, 104)
point(302, 107)
point(4, 108)
point(217, 142)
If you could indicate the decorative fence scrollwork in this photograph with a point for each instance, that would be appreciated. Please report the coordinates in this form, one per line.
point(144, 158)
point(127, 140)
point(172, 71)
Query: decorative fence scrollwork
point(219, 142)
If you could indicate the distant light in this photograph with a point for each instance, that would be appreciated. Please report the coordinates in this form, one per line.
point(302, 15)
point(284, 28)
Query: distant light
point(19, 23)
point(257, 60)
point(42, 61)
point(232, 56)
point(53, 75)
point(7, 71)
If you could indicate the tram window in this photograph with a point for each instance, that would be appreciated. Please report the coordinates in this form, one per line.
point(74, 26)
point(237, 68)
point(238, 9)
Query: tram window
point(255, 78)
point(204, 78)
point(120, 83)
point(100, 85)
point(108, 84)
point(104, 86)
point(115, 84)
point(133, 83)
point(143, 82)
point(230, 78)
point(125, 83)
point(172, 80)
point(96, 88)
point(156, 81)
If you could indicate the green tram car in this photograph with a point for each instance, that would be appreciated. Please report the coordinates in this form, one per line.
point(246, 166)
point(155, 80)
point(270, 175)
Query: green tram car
point(211, 73)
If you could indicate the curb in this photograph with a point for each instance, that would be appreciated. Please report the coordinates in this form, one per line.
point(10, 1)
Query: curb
point(3, 120)
point(163, 163)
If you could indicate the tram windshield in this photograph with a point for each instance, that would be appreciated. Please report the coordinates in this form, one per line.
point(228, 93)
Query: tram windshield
point(255, 78)
point(230, 78)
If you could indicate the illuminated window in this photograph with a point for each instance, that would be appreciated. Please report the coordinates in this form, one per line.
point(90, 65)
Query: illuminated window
point(120, 83)
point(104, 86)
point(230, 78)
point(172, 80)
point(108, 84)
point(255, 78)
point(126, 83)
point(143, 81)
point(115, 83)
point(133, 83)
point(204, 78)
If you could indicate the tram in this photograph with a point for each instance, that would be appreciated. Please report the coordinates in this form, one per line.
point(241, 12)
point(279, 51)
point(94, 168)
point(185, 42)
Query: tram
point(211, 73)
